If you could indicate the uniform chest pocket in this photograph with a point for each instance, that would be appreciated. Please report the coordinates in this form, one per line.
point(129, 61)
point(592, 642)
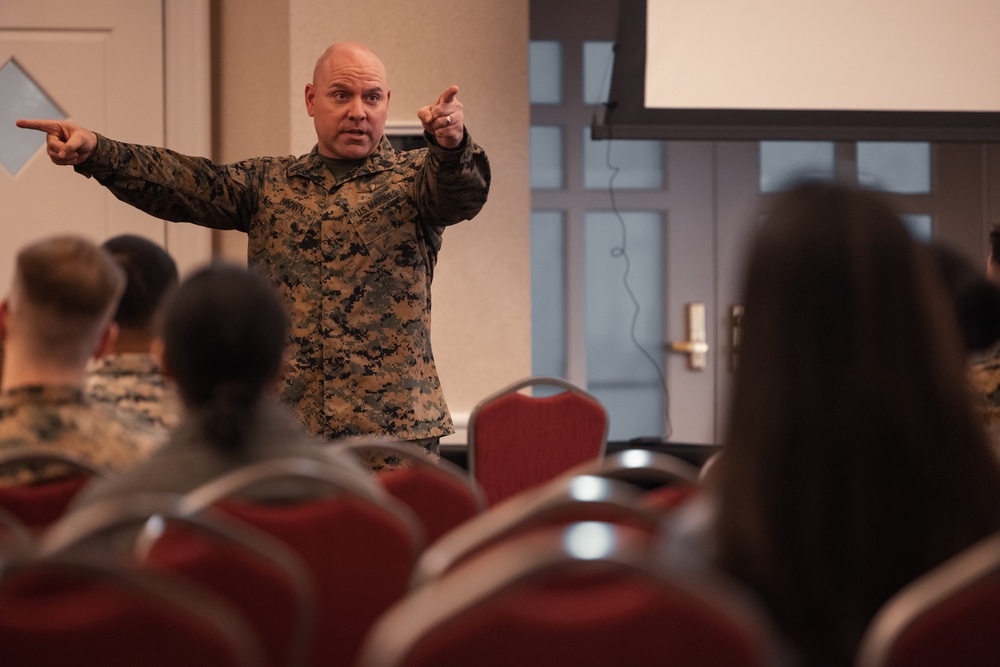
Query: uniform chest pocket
point(385, 222)
point(291, 223)
point(283, 238)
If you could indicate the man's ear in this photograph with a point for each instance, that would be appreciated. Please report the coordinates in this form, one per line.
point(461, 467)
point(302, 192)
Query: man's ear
point(310, 98)
point(158, 350)
point(106, 344)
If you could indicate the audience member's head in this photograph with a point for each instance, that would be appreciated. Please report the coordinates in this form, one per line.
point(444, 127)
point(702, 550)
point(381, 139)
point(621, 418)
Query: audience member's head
point(853, 460)
point(58, 312)
point(993, 260)
point(976, 299)
point(150, 274)
point(224, 336)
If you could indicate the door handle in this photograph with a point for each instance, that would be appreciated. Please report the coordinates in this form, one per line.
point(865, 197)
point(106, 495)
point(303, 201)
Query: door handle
point(735, 336)
point(696, 346)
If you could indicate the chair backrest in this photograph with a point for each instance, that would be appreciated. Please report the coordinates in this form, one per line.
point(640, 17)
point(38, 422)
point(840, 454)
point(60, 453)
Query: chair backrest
point(945, 617)
point(207, 549)
point(440, 493)
point(358, 543)
point(40, 504)
point(581, 595)
point(667, 481)
point(642, 467)
point(560, 501)
point(517, 441)
point(85, 612)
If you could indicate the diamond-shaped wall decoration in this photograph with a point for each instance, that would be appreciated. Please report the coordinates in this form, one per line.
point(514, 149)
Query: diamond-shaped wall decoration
point(20, 97)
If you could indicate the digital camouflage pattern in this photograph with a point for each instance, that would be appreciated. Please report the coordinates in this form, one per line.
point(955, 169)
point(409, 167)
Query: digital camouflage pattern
point(375, 458)
point(132, 382)
point(984, 377)
point(353, 260)
point(60, 419)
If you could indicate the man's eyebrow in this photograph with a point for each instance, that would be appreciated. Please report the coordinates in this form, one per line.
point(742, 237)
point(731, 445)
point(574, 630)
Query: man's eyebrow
point(335, 86)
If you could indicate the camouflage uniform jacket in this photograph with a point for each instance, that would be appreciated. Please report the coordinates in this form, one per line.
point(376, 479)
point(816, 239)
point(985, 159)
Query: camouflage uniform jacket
point(353, 259)
point(984, 377)
point(60, 419)
point(133, 382)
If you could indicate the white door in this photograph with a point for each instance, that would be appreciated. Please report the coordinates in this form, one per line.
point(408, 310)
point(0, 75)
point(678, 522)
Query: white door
point(944, 192)
point(101, 65)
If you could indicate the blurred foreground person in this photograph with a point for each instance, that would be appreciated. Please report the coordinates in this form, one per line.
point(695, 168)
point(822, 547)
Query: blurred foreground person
point(853, 460)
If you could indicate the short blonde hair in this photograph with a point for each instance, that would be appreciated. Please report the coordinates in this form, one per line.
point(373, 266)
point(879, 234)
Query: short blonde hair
point(65, 291)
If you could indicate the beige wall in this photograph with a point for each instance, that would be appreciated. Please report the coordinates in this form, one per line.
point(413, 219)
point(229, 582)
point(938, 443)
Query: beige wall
point(264, 54)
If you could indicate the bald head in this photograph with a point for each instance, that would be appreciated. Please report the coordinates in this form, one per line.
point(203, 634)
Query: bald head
point(348, 100)
point(351, 53)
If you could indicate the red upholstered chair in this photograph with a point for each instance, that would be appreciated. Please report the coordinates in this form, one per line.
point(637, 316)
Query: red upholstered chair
point(560, 501)
point(40, 504)
point(357, 541)
point(441, 494)
point(250, 569)
point(87, 613)
point(949, 616)
point(582, 595)
point(517, 441)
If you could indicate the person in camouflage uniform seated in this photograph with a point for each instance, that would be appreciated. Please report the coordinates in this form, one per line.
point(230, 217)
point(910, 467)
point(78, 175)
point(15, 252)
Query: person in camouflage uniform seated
point(223, 342)
point(349, 234)
point(984, 371)
point(57, 314)
point(129, 376)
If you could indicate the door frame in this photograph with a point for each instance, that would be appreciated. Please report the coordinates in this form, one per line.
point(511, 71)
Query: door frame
point(187, 47)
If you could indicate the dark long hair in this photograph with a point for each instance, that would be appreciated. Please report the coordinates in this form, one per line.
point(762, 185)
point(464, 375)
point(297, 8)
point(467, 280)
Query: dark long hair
point(224, 336)
point(853, 460)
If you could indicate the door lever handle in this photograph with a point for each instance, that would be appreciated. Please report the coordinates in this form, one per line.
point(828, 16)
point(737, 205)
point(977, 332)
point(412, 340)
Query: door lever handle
point(689, 346)
point(696, 347)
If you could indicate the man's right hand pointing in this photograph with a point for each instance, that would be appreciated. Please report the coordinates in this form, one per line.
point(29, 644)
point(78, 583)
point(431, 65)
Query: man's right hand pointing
point(67, 143)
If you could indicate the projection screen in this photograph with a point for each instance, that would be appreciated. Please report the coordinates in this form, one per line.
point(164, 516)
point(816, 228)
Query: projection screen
point(830, 69)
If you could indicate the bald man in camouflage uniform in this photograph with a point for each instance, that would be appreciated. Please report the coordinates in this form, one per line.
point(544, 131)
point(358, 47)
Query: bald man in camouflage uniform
point(349, 234)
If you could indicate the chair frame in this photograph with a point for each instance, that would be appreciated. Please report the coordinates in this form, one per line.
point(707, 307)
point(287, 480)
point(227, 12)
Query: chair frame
point(418, 463)
point(76, 527)
point(526, 383)
point(954, 576)
point(530, 509)
point(631, 463)
point(338, 480)
point(211, 610)
point(78, 469)
point(28, 454)
point(533, 557)
point(453, 470)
